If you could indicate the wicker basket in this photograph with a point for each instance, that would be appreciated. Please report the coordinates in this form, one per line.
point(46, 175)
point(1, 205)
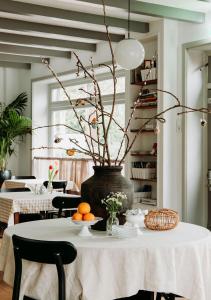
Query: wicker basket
point(162, 219)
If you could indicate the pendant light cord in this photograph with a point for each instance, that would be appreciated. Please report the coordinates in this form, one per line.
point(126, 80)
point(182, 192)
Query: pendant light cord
point(128, 20)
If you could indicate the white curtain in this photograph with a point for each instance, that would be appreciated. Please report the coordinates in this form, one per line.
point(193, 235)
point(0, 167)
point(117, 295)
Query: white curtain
point(76, 170)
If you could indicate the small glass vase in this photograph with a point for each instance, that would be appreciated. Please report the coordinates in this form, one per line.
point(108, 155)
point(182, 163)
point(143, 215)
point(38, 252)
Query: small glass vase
point(112, 220)
point(50, 187)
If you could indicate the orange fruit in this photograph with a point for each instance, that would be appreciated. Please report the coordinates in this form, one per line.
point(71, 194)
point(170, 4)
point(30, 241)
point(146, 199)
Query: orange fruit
point(77, 216)
point(84, 208)
point(88, 217)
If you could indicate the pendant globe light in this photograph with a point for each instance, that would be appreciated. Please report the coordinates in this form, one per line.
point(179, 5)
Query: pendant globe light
point(129, 53)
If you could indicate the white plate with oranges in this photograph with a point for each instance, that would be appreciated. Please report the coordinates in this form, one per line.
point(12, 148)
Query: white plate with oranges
point(84, 218)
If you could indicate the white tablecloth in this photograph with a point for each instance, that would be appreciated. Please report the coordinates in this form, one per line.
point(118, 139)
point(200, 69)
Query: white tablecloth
point(25, 202)
point(19, 183)
point(106, 268)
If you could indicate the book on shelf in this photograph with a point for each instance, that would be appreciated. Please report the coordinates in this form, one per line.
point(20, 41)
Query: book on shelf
point(150, 103)
point(147, 95)
point(149, 74)
point(148, 201)
point(147, 101)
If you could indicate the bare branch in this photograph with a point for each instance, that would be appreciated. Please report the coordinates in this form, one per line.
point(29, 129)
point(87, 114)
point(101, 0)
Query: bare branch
point(69, 127)
point(68, 97)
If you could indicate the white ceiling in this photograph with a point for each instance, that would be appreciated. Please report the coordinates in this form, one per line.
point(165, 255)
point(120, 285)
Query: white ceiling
point(78, 6)
point(196, 5)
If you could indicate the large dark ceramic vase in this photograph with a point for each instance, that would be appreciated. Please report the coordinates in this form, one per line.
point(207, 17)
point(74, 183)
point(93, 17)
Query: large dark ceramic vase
point(4, 175)
point(104, 181)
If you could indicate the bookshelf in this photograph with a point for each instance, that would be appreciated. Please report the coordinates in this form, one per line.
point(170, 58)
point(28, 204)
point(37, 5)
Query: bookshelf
point(143, 159)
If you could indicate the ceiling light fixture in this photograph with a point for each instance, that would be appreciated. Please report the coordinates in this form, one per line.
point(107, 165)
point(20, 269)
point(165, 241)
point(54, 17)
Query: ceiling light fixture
point(129, 53)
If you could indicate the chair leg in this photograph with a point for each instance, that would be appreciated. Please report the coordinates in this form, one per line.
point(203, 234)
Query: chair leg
point(61, 277)
point(165, 296)
point(18, 273)
point(159, 296)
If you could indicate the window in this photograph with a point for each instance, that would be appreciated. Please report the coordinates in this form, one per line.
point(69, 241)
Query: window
point(75, 92)
point(61, 113)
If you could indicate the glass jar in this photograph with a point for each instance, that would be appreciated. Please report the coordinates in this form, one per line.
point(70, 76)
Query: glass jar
point(112, 220)
point(50, 187)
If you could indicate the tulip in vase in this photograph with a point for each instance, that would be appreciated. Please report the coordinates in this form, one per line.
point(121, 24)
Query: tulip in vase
point(52, 172)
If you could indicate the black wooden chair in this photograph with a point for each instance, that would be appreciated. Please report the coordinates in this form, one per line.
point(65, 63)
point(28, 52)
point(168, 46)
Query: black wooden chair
point(165, 296)
point(23, 177)
point(58, 253)
point(57, 185)
point(65, 203)
point(15, 190)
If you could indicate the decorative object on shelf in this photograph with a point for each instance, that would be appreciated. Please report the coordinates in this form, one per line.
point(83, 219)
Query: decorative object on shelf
point(147, 64)
point(149, 201)
point(149, 74)
point(143, 170)
point(113, 203)
point(12, 125)
point(144, 192)
point(129, 52)
point(154, 149)
point(162, 219)
point(52, 172)
point(135, 217)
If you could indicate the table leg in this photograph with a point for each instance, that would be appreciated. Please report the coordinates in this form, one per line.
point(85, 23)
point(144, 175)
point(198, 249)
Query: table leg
point(16, 218)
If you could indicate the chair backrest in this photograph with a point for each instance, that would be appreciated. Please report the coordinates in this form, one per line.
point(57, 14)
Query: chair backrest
point(65, 202)
point(57, 185)
point(23, 177)
point(49, 252)
point(15, 190)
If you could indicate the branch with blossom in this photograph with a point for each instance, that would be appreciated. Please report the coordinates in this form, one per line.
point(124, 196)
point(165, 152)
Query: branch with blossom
point(96, 128)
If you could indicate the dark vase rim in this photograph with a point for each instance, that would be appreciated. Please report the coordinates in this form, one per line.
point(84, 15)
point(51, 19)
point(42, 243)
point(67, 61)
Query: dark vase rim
point(107, 168)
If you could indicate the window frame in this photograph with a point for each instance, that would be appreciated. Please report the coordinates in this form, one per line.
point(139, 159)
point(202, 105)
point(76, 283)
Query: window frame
point(64, 105)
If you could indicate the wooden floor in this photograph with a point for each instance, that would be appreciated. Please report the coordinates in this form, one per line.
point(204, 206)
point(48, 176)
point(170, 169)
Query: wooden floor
point(5, 290)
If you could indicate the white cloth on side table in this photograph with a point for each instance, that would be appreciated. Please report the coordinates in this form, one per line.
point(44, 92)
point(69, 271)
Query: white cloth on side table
point(20, 183)
point(25, 202)
point(106, 268)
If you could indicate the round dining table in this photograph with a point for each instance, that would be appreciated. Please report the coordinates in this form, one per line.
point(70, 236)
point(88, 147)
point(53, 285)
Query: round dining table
point(176, 261)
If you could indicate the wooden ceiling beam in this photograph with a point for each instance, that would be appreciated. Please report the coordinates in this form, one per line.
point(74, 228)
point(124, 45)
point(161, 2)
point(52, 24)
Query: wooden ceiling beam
point(24, 26)
point(154, 10)
point(19, 58)
point(49, 43)
point(46, 11)
point(32, 51)
point(15, 65)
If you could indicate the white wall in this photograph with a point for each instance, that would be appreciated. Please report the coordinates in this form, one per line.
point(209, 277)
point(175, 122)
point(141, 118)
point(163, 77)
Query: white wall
point(175, 35)
point(60, 65)
point(194, 141)
point(13, 82)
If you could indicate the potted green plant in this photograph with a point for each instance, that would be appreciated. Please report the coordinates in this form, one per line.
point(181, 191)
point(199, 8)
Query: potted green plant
point(12, 125)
